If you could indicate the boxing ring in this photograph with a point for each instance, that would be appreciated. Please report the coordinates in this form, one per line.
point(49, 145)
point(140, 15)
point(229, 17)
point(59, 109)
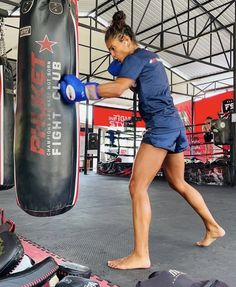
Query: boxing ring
point(207, 160)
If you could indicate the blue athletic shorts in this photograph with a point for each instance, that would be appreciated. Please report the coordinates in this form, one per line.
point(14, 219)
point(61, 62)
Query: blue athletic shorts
point(174, 141)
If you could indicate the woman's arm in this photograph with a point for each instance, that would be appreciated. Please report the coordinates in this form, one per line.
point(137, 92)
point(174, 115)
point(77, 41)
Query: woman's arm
point(116, 88)
point(73, 90)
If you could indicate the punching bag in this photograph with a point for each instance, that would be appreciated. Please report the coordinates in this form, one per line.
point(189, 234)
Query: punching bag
point(6, 125)
point(47, 129)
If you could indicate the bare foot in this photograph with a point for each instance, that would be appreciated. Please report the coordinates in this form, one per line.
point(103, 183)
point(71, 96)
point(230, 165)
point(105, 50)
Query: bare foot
point(130, 262)
point(210, 237)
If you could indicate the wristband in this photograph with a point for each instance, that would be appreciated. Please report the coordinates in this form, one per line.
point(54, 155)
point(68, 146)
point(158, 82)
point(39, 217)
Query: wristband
point(91, 90)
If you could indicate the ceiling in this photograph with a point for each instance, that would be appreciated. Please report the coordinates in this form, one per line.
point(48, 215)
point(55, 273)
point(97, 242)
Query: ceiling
point(193, 37)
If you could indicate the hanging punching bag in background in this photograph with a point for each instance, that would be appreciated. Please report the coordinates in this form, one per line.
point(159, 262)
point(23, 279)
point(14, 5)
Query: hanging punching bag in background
point(6, 125)
point(47, 129)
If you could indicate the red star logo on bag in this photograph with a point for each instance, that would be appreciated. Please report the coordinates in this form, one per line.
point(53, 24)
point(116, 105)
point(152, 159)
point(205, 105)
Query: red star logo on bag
point(46, 44)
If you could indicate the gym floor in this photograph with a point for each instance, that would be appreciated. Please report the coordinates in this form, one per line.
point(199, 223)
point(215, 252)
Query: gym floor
point(99, 228)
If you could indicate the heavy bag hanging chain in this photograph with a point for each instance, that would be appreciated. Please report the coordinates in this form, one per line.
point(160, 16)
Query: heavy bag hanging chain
point(2, 41)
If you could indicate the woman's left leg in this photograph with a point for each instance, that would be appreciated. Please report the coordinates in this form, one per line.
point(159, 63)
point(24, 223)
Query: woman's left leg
point(174, 170)
point(146, 165)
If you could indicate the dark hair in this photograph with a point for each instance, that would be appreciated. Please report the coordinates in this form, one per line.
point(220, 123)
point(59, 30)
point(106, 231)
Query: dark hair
point(119, 28)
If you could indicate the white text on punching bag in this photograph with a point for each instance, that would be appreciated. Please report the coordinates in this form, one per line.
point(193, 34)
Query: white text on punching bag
point(56, 118)
point(56, 134)
point(56, 76)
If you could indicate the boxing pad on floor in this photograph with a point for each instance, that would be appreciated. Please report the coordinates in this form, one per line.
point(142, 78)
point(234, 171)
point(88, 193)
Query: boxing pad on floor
point(11, 252)
point(35, 276)
point(6, 125)
point(47, 129)
point(69, 268)
point(176, 278)
point(74, 281)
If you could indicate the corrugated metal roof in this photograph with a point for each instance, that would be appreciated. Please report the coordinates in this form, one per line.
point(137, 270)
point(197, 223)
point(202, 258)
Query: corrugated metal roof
point(195, 32)
point(181, 24)
point(9, 5)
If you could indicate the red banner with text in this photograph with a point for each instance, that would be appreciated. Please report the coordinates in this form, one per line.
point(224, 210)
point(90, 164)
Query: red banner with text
point(110, 117)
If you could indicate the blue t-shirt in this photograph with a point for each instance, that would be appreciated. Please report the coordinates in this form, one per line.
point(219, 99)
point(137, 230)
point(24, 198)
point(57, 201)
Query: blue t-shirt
point(155, 101)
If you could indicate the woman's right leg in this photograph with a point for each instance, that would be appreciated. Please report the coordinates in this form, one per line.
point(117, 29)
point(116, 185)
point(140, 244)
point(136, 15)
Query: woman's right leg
point(146, 165)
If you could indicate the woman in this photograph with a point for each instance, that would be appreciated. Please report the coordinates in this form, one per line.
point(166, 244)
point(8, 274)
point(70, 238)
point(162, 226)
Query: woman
point(163, 143)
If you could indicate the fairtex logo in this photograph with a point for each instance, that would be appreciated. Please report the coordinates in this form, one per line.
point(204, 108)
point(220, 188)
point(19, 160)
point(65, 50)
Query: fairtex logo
point(175, 274)
point(46, 45)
